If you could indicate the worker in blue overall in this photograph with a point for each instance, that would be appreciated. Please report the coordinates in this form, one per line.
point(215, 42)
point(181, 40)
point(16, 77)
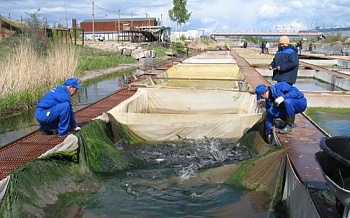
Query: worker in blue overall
point(55, 112)
point(285, 64)
point(283, 101)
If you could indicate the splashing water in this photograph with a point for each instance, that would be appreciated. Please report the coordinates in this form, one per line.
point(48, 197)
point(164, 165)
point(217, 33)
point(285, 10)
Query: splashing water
point(188, 172)
point(189, 156)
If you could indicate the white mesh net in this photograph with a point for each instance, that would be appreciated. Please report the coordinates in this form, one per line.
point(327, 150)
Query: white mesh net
point(156, 114)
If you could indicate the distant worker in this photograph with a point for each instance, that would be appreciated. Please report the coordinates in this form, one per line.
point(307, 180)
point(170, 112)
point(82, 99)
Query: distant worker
point(299, 46)
point(263, 47)
point(55, 112)
point(285, 64)
point(267, 45)
point(282, 101)
point(310, 46)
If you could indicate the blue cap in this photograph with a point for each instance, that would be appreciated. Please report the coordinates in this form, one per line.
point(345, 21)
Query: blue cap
point(259, 90)
point(73, 82)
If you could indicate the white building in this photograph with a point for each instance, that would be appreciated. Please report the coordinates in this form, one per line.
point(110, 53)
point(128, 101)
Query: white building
point(189, 34)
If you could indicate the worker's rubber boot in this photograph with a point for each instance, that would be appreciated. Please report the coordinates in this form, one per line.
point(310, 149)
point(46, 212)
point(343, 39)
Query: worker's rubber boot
point(289, 125)
point(279, 123)
point(46, 132)
point(269, 139)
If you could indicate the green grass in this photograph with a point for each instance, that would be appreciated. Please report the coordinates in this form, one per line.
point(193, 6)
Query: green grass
point(5, 51)
point(95, 59)
point(160, 50)
point(13, 102)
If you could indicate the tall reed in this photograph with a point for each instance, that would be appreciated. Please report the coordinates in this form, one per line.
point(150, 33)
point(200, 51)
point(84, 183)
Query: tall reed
point(26, 74)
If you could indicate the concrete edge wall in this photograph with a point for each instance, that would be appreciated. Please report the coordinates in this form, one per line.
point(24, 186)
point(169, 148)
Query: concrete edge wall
point(338, 81)
point(327, 99)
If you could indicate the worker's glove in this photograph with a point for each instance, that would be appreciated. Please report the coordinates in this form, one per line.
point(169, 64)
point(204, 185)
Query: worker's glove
point(77, 128)
point(279, 100)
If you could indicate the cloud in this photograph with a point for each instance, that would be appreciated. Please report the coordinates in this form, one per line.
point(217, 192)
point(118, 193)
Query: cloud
point(269, 11)
point(296, 4)
point(208, 20)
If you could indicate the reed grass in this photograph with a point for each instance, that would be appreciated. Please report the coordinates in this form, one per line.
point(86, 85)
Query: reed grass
point(26, 74)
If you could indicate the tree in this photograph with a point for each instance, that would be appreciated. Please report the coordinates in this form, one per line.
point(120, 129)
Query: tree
point(179, 13)
point(35, 32)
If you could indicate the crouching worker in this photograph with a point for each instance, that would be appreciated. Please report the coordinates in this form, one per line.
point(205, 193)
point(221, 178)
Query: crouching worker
point(282, 101)
point(55, 112)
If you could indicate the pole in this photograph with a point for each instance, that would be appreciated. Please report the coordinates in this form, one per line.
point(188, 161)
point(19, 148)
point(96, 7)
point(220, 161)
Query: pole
point(0, 27)
point(45, 28)
point(22, 24)
point(93, 22)
point(10, 22)
point(131, 29)
point(149, 22)
point(118, 24)
point(65, 9)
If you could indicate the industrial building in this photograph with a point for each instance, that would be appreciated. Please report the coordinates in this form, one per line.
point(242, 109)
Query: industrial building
point(125, 29)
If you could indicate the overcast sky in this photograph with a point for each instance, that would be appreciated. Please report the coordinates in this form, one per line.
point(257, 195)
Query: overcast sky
point(207, 15)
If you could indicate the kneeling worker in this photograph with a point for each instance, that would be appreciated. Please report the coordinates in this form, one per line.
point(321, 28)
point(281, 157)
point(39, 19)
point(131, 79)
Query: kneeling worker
point(282, 101)
point(55, 111)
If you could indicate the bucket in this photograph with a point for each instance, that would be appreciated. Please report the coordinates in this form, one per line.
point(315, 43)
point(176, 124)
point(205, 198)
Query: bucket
point(242, 86)
point(337, 158)
point(335, 165)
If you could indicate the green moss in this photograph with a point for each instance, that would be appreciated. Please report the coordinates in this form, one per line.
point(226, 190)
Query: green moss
point(31, 186)
point(128, 136)
point(248, 140)
point(99, 153)
point(253, 136)
point(238, 178)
